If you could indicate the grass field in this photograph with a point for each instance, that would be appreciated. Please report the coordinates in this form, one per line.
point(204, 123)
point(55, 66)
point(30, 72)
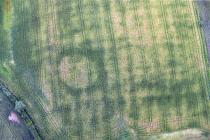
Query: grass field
point(107, 69)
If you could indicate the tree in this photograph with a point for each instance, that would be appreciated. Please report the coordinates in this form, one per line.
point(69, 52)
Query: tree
point(19, 106)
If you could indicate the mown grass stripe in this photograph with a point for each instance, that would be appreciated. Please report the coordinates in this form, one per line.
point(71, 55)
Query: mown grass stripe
point(67, 116)
point(134, 109)
point(109, 28)
point(195, 100)
point(142, 54)
point(204, 83)
point(20, 41)
point(186, 74)
point(165, 26)
point(200, 53)
point(97, 30)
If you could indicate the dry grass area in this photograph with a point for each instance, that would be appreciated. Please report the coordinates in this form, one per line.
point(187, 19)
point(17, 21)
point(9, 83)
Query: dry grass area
point(189, 134)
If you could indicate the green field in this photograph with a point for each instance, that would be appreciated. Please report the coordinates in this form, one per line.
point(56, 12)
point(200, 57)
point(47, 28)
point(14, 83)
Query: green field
point(106, 69)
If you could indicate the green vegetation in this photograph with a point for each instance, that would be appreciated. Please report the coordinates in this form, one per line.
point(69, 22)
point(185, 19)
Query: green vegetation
point(5, 72)
point(83, 66)
point(5, 46)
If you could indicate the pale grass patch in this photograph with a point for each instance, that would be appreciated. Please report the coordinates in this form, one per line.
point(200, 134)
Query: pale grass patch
point(64, 68)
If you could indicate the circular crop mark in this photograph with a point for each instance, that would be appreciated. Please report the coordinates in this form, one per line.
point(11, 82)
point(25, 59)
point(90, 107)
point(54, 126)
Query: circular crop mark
point(75, 69)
